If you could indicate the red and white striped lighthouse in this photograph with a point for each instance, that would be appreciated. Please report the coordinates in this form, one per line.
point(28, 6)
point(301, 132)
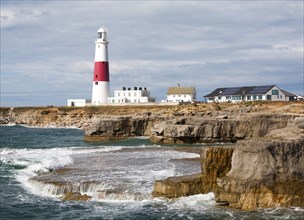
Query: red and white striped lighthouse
point(101, 79)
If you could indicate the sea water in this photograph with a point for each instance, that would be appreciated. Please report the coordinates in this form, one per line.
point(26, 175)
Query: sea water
point(124, 170)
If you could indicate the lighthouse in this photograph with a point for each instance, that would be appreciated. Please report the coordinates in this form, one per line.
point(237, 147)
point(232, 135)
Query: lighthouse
point(101, 78)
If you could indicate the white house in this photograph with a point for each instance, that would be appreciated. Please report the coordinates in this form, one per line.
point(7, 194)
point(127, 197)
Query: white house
point(289, 96)
point(181, 94)
point(129, 95)
point(78, 102)
point(249, 93)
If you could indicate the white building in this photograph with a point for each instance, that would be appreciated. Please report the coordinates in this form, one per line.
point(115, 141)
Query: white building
point(129, 95)
point(249, 93)
point(181, 94)
point(78, 102)
point(289, 96)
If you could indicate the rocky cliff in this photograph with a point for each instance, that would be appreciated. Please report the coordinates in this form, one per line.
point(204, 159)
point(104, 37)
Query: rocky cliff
point(220, 129)
point(256, 173)
point(116, 128)
point(264, 174)
point(265, 168)
point(215, 163)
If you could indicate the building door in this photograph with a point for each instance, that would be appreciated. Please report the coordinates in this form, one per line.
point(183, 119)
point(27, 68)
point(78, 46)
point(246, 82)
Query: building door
point(269, 97)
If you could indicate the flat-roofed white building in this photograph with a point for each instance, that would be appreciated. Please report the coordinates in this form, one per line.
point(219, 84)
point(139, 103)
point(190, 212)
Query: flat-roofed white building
point(78, 102)
point(131, 95)
point(249, 93)
point(181, 94)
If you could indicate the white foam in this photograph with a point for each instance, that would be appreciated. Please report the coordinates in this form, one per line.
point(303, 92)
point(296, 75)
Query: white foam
point(47, 126)
point(92, 188)
point(38, 161)
point(140, 176)
point(106, 196)
point(298, 209)
point(8, 125)
point(87, 150)
point(198, 202)
point(140, 137)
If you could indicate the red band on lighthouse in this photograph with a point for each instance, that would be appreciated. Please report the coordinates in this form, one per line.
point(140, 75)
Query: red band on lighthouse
point(101, 71)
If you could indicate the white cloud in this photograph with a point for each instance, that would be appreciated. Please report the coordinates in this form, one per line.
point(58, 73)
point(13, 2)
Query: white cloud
point(47, 47)
point(21, 16)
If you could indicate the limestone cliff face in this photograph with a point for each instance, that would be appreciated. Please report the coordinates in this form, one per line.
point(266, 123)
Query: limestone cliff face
point(264, 174)
point(116, 128)
point(264, 169)
point(195, 129)
point(260, 172)
point(164, 124)
point(46, 117)
point(252, 174)
point(215, 163)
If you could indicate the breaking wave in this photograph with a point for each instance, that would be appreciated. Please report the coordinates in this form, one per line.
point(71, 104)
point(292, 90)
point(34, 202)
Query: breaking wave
point(119, 174)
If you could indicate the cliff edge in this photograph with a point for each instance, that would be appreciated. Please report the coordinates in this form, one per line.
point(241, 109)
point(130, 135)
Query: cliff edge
point(261, 172)
point(265, 167)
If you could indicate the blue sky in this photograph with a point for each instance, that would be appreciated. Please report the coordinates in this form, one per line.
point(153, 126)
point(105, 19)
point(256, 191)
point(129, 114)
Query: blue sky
point(47, 47)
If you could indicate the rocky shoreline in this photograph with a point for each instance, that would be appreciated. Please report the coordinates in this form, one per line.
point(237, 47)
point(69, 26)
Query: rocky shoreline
point(264, 169)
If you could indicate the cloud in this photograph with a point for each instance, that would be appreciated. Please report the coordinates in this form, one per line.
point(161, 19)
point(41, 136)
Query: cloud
point(48, 48)
point(19, 17)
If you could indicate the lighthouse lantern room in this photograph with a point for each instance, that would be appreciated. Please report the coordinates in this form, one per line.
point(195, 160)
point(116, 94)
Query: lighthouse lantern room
point(101, 79)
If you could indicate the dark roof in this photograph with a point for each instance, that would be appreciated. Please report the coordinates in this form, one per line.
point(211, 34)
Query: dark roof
point(245, 90)
point(181, 90)
point(286, 93)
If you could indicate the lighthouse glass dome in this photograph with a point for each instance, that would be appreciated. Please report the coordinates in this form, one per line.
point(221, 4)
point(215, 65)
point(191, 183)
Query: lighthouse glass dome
point(101, 33)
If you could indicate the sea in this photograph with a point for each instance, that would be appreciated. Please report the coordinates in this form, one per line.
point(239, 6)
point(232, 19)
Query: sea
point(39, 164)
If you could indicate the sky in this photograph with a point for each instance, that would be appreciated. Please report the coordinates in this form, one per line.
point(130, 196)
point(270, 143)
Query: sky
point(47, 47)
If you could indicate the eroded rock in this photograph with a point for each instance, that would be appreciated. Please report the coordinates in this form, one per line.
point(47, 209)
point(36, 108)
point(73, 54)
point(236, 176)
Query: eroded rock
point(264, 174)
point(215, 163)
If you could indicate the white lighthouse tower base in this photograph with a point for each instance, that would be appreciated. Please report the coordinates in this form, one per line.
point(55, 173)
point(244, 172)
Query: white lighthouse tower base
point(101, 92)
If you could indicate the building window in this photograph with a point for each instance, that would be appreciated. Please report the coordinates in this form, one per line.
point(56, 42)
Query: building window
point(96, 83)
point(275, 92)
point(260, 97)
point(185, 96)
point(254, 97)
point(219, 98)
point(236, 97)
point(96, 76)
point(248, 97)
point(118, 94)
